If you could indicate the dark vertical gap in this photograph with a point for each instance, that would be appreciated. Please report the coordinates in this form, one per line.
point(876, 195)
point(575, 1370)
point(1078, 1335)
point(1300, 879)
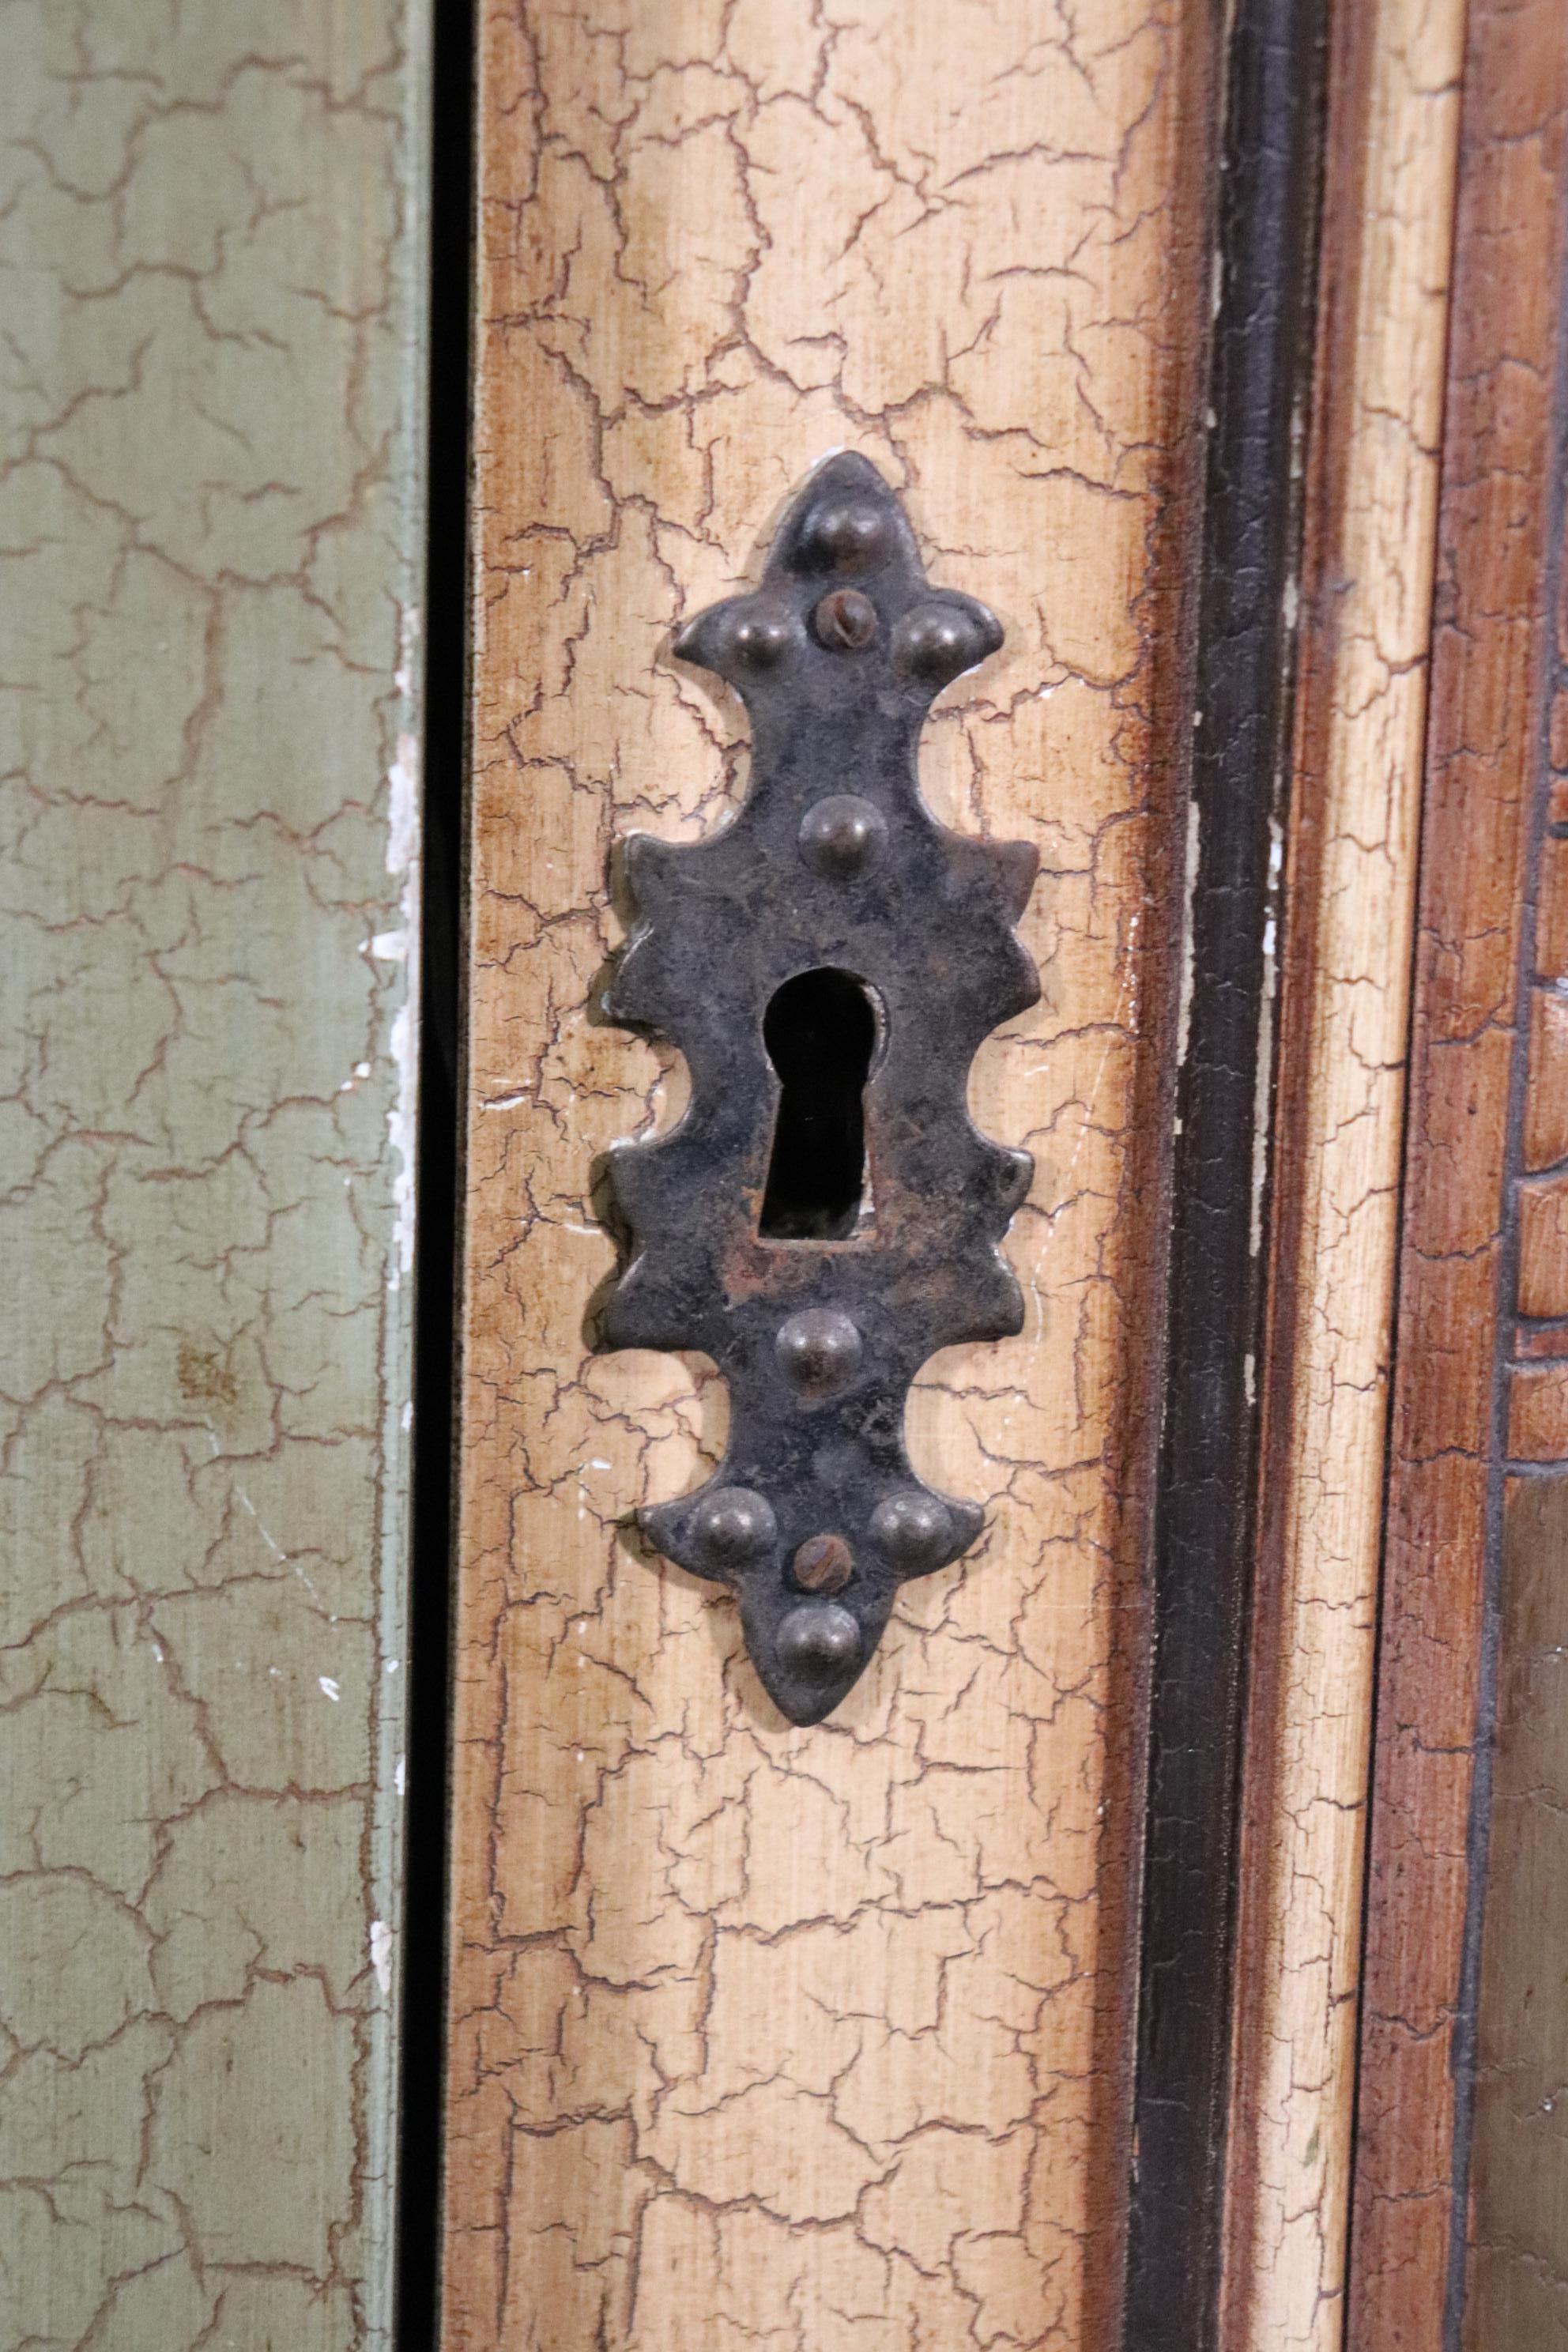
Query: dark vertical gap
point(1466, 2022)
point(1266, 227)
point(422, 2024)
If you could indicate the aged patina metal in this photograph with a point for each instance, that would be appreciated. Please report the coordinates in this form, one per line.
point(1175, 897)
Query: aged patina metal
point(820, 1314)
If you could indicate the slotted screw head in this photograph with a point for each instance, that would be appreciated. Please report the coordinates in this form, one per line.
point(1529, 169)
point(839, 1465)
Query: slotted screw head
point(845, 621)
point(822, 1564)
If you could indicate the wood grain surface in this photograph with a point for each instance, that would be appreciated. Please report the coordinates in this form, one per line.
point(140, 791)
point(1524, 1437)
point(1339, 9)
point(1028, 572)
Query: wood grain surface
point(1510, 2182)
point(212, 280)
point(1350, 867)
point(1516, 2277)
point(761, 2035)
point(1471, 1025)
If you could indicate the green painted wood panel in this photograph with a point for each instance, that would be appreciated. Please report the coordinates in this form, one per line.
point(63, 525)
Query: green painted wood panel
point(212, 285)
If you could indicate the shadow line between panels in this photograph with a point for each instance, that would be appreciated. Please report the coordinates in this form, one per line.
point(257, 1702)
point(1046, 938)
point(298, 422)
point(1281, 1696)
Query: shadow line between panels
point(438, 1174)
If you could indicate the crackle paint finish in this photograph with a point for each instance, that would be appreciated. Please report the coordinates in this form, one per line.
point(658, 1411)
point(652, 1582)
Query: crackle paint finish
point(1351, 867)
point(212, 278)
point(811, 2036)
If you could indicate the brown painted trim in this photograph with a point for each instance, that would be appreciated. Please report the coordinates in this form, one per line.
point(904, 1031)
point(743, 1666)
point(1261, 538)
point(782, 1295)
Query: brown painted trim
point(1516, 2295)
point(1509, 2281)
point(1447, 1431)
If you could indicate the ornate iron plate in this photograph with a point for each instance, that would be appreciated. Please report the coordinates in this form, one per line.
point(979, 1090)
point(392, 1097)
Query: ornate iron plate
point(819, 1238)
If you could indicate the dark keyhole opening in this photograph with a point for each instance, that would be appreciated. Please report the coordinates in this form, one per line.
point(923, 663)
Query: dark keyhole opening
point(821, 1032)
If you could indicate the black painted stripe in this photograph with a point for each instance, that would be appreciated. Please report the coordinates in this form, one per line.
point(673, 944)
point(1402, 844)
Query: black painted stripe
point(1266, 229)
point(438, 1180)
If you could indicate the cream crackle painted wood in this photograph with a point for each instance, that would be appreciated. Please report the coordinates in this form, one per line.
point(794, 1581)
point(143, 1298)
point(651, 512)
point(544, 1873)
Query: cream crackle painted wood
point(787, 2036)
point(211, 282)
point(1351, 875)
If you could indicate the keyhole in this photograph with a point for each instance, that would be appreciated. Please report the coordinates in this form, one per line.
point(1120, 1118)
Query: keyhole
point(821, 1032)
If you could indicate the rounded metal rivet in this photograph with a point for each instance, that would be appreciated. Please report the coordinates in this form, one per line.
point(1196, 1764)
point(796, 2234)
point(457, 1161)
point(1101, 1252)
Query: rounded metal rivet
point(822, 1564)
point(819, 1350)
point(733, 1526)
point(753, 635)
point(841, 835)
point(817, 1640)
point(756, 637)
point(845, 621)
point(911, 1531)
point(936, 641)
point(846, 535)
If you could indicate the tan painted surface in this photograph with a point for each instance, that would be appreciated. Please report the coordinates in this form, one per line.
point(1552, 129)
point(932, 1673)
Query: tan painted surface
point(210, 274)
point(1352, 878)
point(764, 2036)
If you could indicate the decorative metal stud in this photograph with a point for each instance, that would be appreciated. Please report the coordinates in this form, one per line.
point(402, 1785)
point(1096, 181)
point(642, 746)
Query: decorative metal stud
point(842, 835)
point(833, 871)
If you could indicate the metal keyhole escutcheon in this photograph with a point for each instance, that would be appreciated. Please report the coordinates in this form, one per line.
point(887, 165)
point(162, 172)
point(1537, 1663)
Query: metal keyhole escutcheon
point(825, 1216)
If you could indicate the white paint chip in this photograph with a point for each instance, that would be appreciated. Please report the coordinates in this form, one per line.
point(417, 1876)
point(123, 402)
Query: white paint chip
point(400, 1776)
point(329, 1686)
point(381, 1953)
point(400, 1134)
point(403, 817)
point(403, 845)
point(407, 644)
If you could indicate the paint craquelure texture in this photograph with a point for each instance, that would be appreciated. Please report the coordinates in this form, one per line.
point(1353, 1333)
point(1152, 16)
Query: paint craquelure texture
point(813, 2033)
point(209, 271)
